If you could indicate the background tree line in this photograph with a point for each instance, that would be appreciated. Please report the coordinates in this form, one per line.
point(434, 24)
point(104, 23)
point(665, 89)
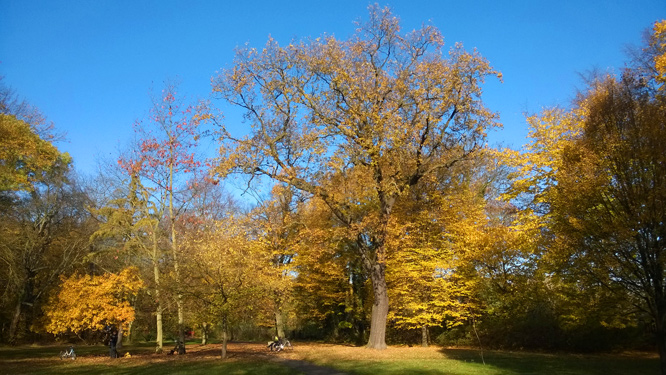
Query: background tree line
point(380, 215)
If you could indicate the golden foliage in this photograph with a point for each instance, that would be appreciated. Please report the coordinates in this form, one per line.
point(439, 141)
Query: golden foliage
point(24, 155)
point(659, 42)
point(87, 302)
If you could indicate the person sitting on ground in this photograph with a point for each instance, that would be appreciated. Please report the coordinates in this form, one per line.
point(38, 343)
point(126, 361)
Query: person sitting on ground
point(178, 349)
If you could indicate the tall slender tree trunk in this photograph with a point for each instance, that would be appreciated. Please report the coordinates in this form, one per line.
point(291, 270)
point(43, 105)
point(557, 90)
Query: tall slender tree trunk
point(130, 333)
point(158, 313)
point(176, 265)
point(204, 333)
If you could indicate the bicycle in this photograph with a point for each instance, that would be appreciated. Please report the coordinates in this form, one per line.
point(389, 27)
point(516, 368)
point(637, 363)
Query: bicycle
point(68, 353)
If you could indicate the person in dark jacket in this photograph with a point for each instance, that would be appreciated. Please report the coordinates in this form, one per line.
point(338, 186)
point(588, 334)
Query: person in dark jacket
point(111, 340)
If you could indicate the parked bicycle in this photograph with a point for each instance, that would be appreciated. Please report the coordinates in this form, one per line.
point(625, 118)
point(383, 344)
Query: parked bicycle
point(68, 353)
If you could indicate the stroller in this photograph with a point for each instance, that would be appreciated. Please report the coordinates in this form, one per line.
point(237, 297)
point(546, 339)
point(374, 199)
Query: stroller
point(279, 345)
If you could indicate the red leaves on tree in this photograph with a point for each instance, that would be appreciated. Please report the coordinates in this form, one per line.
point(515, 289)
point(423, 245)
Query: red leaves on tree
point(167, 143)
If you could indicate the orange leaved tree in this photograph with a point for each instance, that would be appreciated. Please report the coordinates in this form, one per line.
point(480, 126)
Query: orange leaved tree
point(380, 110)
point(87, 302)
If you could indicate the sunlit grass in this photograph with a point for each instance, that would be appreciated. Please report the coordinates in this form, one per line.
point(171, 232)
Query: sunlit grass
point(438, 361)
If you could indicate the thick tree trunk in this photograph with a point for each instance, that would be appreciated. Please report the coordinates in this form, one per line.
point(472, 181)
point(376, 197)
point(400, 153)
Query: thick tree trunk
point(119, 341)
point(424, 335)
point(380, 308)
point(279, 324)
point(13, 327)
point(224, 338)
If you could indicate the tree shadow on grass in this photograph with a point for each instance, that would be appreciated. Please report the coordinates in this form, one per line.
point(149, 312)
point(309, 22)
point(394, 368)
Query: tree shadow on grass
point(185, 367)
point(559, 363)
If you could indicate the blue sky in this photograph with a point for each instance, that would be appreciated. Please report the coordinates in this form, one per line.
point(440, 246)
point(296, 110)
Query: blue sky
point(90, 65)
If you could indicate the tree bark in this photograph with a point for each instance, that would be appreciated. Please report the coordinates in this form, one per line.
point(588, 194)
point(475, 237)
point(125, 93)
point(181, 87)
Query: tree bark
point(224, 338)
point(204, 333)
point(158, 312)
point(119, 340)
point(424, 335)
point(279, 324)
point(13, 327)
point(158, 322)
point(176, 264)
point(377, 339)
point(130, 332)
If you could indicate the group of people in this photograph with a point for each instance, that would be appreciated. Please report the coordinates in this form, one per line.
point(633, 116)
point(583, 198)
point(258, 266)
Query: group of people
point(111, 339)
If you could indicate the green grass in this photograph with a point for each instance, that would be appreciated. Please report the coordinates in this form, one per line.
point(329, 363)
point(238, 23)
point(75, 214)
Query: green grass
point(502, 364)
point(94, 360)
point(355, 361)
point(205, 367)
point(415, 361)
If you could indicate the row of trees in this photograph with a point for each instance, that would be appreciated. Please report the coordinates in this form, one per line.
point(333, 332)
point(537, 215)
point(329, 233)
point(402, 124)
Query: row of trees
point(386, 217)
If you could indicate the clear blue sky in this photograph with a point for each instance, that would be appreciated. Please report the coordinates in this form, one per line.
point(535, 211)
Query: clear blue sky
point(89, 65)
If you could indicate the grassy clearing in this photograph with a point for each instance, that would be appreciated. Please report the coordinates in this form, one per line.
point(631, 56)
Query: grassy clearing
point(246, 359)
point(438, 361)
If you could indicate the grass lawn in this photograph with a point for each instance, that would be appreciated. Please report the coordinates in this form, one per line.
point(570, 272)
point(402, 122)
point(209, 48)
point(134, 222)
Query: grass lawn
point(438, 361)
point(255, 359)
point(244, 360)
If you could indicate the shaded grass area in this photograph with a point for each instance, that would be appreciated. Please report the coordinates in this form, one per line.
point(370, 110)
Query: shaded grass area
point(437, 361)
point(207, 367)
point(95, 360)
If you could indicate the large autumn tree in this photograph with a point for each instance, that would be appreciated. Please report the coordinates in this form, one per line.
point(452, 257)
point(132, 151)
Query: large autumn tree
point(379, 110)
